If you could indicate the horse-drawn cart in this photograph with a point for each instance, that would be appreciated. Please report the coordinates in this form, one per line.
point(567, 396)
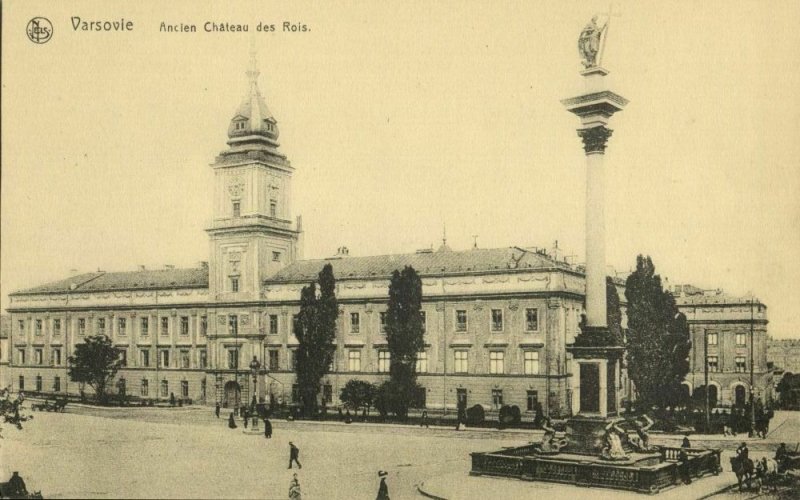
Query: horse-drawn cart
point(57, 405)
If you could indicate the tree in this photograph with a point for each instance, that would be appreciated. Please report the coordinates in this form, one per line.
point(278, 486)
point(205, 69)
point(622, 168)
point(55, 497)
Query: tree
point(96, 362)
point(404, 336)
point(357, 394)
point(789, 391)
point(658, 338)
point(613, 311)
point(317, 332)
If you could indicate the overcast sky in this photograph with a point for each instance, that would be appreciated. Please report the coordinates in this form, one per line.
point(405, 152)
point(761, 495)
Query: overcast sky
point(402, 116)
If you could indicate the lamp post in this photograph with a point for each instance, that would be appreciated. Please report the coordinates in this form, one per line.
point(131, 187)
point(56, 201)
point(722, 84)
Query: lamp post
point(254, 367)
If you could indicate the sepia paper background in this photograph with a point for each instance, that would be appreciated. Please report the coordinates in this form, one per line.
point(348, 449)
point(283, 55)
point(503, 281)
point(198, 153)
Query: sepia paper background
point(403, 117)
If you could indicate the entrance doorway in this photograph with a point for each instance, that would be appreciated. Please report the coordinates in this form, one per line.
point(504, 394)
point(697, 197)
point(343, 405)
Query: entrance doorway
point(739, 395)
point(233, 395)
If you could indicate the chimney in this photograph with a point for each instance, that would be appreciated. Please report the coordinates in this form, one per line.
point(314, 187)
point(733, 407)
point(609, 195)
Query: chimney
point(169, 266)
point(203, 264)
point(142, 268)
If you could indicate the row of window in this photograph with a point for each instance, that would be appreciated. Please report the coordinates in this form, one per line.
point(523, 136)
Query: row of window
point(121, 386)
point(236, 209)
point(461, 320)
point(122, 326)
point(531, 398)
point(38, 356)
point(740, 364)
point(497, 324)
point(740, 338)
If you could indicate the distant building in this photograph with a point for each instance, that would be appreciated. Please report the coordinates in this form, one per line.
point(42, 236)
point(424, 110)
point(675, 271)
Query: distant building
point(5, 334)
point(735, 331)
point(784, 355)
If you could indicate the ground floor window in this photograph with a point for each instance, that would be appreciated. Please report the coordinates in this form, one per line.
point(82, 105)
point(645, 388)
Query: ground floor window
point(121, 387)
point(38, 383)
point(422, 362)
point(384, 361)
point(164, 388)
point(273, 356)
point(497, 398)
point(145, 390)
point(460, 361)
point(327, 394)
point(57, 384)
point(21, 383)
point(533, 398)
point(354, 361)
point(184, 389)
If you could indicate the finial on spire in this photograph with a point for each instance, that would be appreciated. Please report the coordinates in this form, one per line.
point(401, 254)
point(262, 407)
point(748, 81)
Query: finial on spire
point(474, 241)
point(252, 71)
point(444, 234)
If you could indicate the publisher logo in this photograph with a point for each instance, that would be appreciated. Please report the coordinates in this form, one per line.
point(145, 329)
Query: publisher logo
point(39, 30)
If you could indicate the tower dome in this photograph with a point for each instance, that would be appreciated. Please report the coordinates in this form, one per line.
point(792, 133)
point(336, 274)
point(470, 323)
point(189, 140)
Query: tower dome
point(253, 120)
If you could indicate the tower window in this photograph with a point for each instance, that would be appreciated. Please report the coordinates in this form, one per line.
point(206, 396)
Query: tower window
point(236, 209)
point(234, 284)
point(273, 208)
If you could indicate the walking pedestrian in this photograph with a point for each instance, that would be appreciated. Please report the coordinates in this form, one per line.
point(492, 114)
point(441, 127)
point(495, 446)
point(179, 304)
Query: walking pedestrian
point(172, 399)
point(686, 443)
point(245, 420)
point(424, 420)
point(383, 489)
point(294, 488)
point(294, 454)
point(231, 421)
point(216, 409)
point(267, 429)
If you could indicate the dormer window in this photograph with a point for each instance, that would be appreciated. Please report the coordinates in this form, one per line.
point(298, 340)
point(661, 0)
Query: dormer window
point(236, 209)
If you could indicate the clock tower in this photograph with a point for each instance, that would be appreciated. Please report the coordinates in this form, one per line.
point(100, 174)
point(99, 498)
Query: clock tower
point(251, 235)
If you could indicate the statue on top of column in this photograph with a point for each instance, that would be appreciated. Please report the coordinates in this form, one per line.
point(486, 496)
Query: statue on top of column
point(589, 43)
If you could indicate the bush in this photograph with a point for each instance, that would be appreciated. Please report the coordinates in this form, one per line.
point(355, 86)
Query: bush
point(509, 415)
point(476, 415)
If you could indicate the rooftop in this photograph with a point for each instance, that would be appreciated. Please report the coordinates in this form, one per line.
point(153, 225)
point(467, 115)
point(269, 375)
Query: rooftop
point(690, 294)
point(425, 262)
point(132, 280)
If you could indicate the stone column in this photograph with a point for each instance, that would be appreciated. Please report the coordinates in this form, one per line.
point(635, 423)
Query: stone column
point(594, 142)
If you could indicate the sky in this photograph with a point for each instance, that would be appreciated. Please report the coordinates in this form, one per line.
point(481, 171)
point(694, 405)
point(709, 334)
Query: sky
point(403, 117)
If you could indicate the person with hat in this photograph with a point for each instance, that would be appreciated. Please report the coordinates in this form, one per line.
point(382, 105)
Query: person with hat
point(383, 489)
point(294, 453)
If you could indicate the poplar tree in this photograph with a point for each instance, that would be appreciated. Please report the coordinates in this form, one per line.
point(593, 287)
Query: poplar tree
point(405, 337)
point(317, 333)
point(658, 338)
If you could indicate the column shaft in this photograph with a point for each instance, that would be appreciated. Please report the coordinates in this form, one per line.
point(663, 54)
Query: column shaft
point(595, 241)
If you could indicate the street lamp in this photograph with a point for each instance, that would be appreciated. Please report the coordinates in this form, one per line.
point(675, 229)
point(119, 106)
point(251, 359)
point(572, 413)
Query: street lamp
point(254, 367)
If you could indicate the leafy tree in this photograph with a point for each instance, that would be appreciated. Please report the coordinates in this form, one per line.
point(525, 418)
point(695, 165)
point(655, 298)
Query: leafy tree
point(95, 363)
point(317, 332)
point(357, 394)
point(396, 397)
point(613, 311)
point(658, 338)
point(404, 336)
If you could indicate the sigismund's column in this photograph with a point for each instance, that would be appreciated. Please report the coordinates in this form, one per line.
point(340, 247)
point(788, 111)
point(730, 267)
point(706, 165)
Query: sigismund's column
point(596, 352)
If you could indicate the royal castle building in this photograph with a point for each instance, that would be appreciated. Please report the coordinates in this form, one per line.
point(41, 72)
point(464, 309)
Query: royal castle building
point(497, 321)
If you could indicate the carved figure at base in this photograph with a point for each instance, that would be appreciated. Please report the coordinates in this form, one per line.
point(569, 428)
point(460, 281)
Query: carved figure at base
point(550, 444)
point(641, 441)
point(613, 449)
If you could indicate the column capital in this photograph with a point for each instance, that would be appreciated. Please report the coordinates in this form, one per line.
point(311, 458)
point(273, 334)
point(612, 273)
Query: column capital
point(594, 139)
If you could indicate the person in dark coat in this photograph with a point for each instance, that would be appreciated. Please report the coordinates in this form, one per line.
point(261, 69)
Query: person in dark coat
point(245, 420)
point(216, 410)
point(267, 429)
point(383, 489)
point(294, 453)
point(16, 486)
point(340, 414)
point(683, 466)
point(686, 443)
point(172, 399)
point(424, 420)
point(742, 452)
point(231, 421)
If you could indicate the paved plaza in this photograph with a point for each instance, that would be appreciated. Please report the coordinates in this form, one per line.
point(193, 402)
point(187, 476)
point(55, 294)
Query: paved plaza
point(187, 453)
